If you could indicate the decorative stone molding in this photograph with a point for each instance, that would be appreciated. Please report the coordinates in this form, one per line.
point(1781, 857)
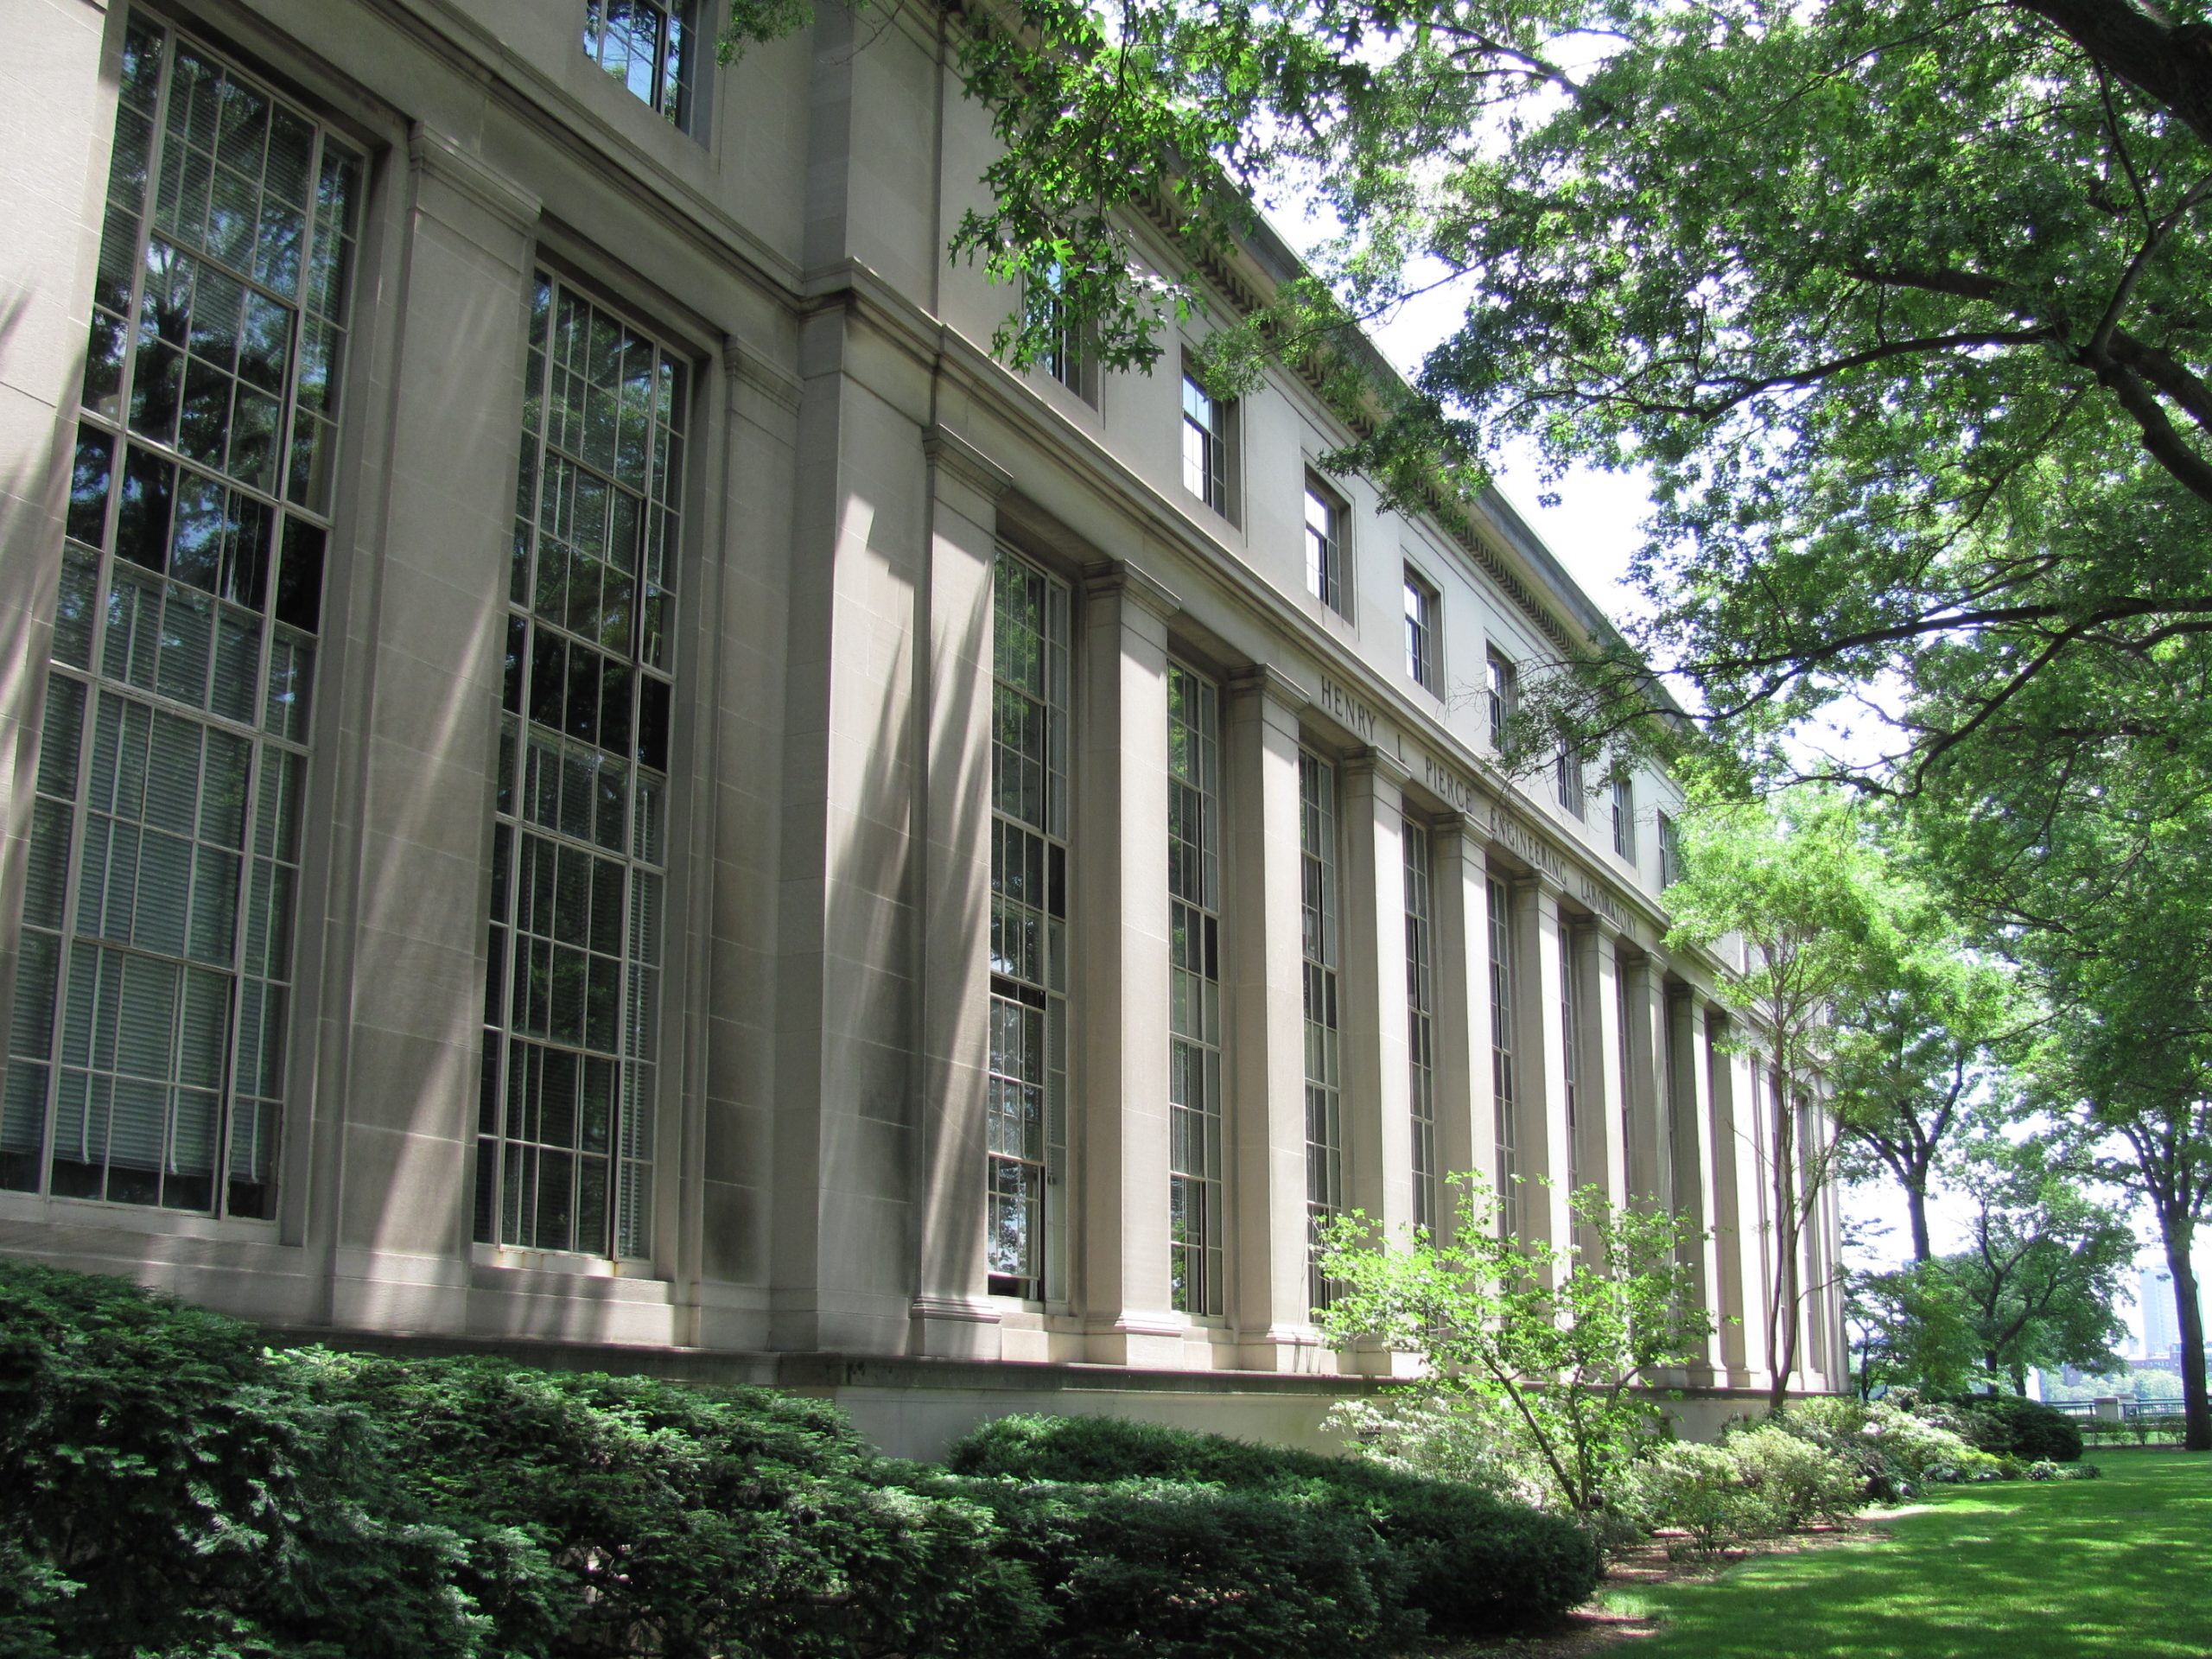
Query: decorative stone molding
point(1118, 577)
point(949, 452)
point(744, 366)
point(1265, 679)
point(433, 156)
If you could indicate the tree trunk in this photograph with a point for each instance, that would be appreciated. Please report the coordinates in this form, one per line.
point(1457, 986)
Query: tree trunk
point(1915, 1206)
point(2196, 1414)
point(1782, 1312)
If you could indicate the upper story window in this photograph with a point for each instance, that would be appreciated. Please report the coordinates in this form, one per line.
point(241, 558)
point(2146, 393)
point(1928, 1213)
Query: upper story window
point(1424, 633)
point(1625, 817)
point(1064, 358)
point(1567, 771)
point(652, 47)
point(1208, 429)
point(146, 1056)
point(1324, 547)
point(1504, 690)
point(1670, 852)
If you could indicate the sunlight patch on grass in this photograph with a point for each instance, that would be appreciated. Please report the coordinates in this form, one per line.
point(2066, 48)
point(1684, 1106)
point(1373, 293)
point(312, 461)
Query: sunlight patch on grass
point(2112, 1569)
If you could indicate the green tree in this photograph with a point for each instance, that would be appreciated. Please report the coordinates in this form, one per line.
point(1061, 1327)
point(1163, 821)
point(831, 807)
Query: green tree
point(2097, 878)
point(2042, 1269)
point(1918, 1052)
point(1909, 1329)
point(1566, 1344)
point(1804, 887)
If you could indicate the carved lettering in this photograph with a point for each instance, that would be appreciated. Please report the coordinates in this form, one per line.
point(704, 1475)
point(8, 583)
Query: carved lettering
point(1454, 790)
point(1348, 710)
point(1599, 898)
point(1526, 845)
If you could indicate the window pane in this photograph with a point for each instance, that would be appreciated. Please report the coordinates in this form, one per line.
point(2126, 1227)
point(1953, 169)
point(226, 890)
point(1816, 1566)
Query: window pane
point(172, 940)
point(1026, 948)
point(571, 998)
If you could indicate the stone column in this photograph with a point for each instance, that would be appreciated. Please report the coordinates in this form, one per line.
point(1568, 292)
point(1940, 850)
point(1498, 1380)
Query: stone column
point(427, 626)
point(1122, 1251)
point(1540, 955)
point(1378, 1133)
point(51, 196)
point(1650, 1176)
point(953, 1314)
point(1728, 1228)
point(1689, 1114)
point(1466, 1108)
point(1266, 1026)
point(1738, 1081)
point(1605, 1149)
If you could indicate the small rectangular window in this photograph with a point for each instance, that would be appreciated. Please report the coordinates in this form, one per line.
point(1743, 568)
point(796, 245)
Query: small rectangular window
point(652, 47)
point(1625, 818)
point(1568, 773)
point(1504, 697)
point(1324, 546)
point(1670, 852)
point(1424, 612)
point(1207, 430)
point(1064, 357)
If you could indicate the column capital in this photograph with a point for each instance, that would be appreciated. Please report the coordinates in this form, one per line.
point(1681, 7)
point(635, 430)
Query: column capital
point(1378, 764)
point(1119, 578)
point(948, 452)
point(743, 366)
point(433, 156)
point(1266, 680)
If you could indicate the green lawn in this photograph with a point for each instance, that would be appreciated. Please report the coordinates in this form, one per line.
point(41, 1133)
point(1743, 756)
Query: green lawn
point(2120, 1567)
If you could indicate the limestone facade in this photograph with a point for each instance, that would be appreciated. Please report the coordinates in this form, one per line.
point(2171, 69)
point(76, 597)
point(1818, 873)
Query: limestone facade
point(581, 768)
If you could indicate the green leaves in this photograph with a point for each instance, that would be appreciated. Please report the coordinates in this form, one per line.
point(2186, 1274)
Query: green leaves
point(1560, 1339)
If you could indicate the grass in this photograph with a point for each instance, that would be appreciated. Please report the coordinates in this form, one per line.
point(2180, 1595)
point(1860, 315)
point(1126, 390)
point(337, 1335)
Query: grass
point(2064, 1570)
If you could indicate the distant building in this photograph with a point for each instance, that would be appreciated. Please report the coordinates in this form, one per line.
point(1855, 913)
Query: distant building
point(2161, 1319)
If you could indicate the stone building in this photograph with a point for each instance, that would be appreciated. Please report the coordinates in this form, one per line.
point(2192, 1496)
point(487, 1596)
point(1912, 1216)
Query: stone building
point(582, 767)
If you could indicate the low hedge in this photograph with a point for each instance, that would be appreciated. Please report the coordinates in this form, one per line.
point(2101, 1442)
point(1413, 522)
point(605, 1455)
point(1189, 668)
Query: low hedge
point(173, 1489)
point(1473, 1564)
point(1181, 1570)
point(2012, 1426)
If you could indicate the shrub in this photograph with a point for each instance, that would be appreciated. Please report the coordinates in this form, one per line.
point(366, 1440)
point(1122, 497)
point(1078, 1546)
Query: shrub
point(2013, 1426)
point(1465, 1439)
point(1186, 1571)
point(1892, 1448)
point(2064, 1472)
point(1474, 1563)
point(1801, 1482)
point(172, 1490)
point(1700, 1489)
point(746, 1523)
